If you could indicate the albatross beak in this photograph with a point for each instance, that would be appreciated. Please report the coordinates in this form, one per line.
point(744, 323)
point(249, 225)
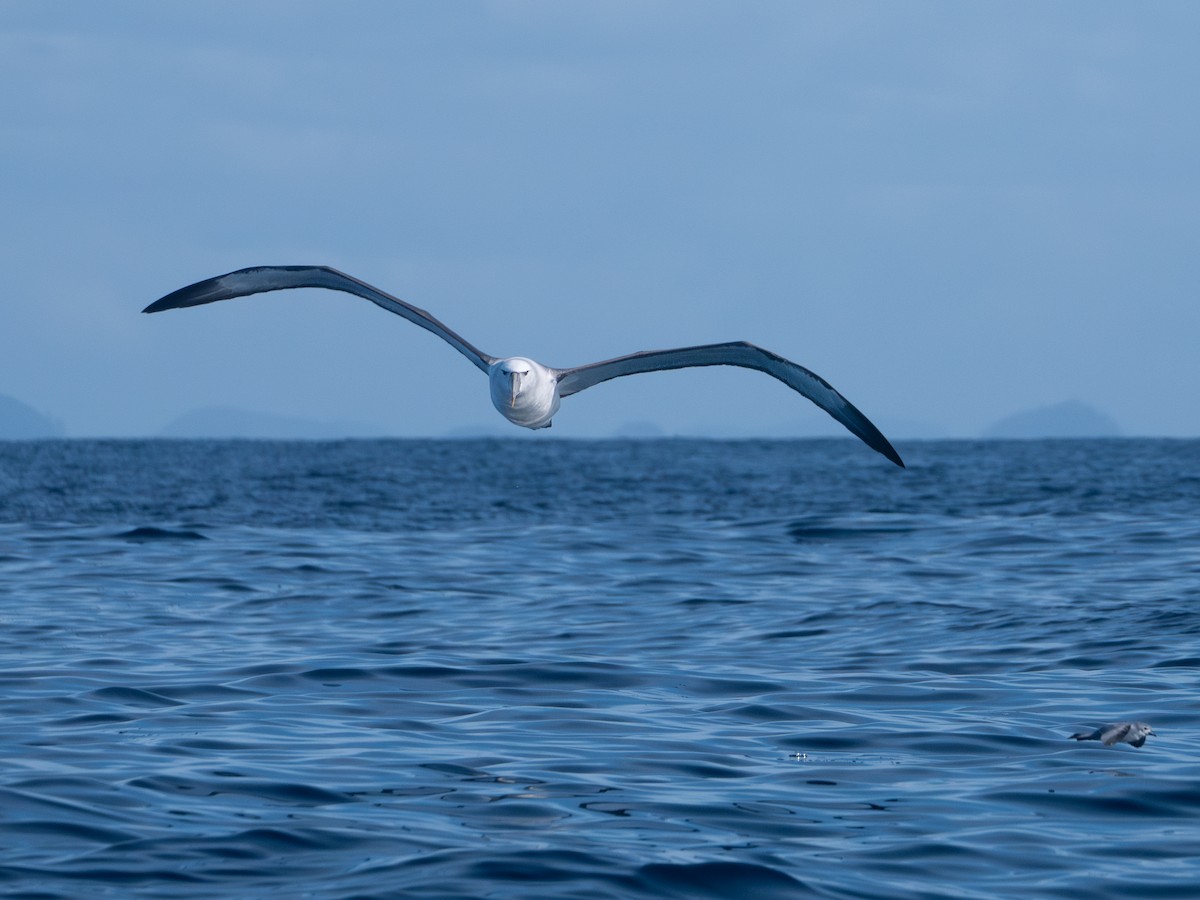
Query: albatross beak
point(516, 387)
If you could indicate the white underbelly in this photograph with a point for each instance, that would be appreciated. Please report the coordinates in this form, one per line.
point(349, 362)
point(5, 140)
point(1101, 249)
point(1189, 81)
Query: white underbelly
point(528, 411)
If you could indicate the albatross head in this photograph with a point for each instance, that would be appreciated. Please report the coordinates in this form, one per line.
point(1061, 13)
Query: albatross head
point(525, 392)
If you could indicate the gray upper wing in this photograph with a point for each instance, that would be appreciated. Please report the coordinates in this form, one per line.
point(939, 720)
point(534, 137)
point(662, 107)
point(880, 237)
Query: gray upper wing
point(735, 353)
point(1115, 733)
point(258, 279)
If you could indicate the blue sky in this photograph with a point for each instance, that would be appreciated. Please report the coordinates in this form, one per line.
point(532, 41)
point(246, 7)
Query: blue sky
point(950, 211)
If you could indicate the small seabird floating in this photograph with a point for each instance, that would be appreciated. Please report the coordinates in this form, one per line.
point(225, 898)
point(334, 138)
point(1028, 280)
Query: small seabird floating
point(526, 392)
point(1134, 733)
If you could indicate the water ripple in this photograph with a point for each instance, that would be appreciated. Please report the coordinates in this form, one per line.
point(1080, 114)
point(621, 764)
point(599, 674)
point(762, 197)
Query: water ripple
point(664, 669)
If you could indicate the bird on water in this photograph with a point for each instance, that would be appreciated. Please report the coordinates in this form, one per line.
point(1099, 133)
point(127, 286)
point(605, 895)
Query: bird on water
point(1133, 733)
point(525, 392)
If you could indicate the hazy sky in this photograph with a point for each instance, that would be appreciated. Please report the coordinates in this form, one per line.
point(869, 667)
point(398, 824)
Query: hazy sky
point(952, 211)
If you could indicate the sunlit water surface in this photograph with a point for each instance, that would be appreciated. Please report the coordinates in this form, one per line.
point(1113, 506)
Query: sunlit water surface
point(597, 669)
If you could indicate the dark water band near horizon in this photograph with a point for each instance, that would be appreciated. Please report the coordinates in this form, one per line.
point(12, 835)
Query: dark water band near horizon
point(577, 669)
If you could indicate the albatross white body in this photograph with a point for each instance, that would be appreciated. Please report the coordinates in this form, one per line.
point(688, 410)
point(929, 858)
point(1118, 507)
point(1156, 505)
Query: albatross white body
point(525, 392)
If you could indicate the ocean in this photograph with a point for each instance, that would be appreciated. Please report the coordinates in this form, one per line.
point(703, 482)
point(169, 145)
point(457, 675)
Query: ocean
point(598, 669)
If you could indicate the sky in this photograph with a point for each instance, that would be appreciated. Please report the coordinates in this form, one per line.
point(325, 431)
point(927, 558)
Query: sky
point(951, 211)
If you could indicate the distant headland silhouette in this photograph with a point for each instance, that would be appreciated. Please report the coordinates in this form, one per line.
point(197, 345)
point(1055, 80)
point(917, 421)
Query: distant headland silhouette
point(1070, 419)
point(21, 422)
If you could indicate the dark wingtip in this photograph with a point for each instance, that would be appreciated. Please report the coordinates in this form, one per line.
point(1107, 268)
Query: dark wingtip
point(873, 438)
point(201, 292)
point(889, 451)
point(177, 299)
point(864, 430)
point(229, 285)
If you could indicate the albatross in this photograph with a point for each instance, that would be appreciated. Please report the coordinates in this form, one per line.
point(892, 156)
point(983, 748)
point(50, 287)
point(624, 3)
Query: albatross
point(525, 392)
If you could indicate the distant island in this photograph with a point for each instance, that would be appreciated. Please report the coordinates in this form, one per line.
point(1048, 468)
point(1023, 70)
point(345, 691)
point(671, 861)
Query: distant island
point(1071, 419)
point(21, 422)
point(224, 422)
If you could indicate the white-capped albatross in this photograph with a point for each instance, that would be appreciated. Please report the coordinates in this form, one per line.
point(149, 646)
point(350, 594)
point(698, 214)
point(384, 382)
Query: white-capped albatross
point(525, 392)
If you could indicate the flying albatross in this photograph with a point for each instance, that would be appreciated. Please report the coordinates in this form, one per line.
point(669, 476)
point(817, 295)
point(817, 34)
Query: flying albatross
point(526, 392)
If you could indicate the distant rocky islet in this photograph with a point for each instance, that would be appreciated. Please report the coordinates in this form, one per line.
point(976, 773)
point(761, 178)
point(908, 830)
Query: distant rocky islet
point(20, 421)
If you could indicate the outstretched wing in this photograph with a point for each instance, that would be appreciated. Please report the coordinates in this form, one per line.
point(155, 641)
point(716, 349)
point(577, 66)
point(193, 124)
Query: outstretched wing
point(1115, 733)
point(258, 279)
point(735, 353)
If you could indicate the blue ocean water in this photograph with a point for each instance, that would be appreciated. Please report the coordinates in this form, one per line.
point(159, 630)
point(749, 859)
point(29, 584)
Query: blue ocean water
point(548, 668)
